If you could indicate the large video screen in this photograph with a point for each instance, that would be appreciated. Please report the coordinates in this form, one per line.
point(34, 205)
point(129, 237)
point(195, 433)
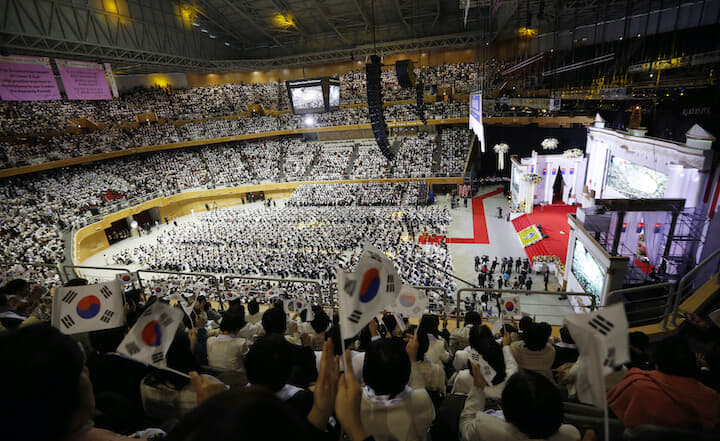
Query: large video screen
point(587, 271)
point(475, 119)
point(334, 94)
point(307, 99)
point(635, 181)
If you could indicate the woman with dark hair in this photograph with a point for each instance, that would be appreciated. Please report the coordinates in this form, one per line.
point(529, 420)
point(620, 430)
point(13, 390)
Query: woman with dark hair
point(432, 346)
point(430, 355)
point(500, 359)
point(532, 407)
point(254, 315)
point(534, 352)
point(46, 390)
point(459, 336)
point(669, 395)
point(227, 349)
point(393, 407)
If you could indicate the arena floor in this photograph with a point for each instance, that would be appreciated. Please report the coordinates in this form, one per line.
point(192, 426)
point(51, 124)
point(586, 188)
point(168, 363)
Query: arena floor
point(503, 241)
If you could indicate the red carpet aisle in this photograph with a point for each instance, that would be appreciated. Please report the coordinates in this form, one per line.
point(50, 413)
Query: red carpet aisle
point(553, 220)
point(480, 232)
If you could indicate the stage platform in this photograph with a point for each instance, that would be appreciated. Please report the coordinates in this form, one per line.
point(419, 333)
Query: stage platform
point(553, 219)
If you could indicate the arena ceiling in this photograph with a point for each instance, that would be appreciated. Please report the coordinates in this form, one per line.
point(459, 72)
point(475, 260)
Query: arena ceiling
point(140, 36)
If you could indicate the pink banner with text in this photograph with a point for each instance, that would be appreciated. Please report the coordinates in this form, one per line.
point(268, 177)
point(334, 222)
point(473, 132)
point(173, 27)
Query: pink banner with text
point(83, 81)
point(27, 79)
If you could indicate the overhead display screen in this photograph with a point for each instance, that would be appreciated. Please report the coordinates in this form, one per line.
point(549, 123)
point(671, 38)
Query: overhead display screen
point(314, 95)
point(635, 181)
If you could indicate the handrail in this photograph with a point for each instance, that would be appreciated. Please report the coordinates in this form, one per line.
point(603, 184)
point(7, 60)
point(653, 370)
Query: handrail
point(315, 283)
point(593, 304)
point(669, 297)
point(179, 273)
point(104, 268)
point(684, 281)
point(55, 266)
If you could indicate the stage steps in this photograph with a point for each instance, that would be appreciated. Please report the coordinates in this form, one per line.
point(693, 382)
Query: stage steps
point(351, 161)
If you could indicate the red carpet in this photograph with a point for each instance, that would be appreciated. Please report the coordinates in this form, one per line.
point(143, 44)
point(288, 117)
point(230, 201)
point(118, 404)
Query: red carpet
point(553, 220)
point(480, 232)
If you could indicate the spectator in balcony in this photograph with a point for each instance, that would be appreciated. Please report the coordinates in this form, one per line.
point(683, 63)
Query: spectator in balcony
point(669, 395)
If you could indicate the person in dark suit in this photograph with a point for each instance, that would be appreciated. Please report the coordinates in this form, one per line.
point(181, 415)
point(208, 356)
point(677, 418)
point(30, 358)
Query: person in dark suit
point(303, 369)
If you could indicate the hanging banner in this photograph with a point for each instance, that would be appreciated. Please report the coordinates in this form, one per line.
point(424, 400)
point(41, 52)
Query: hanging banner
point(83, 81)
point(111, 80)
point(27, 79)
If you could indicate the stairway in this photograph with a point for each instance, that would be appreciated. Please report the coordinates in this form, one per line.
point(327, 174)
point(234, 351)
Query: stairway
point(250, 167)
point(281, 162)
point(312, 164)
point(351, 162)
point(437, 155)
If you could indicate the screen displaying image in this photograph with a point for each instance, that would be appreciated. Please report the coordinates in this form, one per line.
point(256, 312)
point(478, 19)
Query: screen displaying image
point(334, 96)
point(307, 98)
point(635, 181)
point(587, 271)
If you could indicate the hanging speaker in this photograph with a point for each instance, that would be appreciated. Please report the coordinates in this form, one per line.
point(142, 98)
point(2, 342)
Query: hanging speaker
point(405, 72)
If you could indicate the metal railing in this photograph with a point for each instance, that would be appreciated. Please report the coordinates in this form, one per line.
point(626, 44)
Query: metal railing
point(65, 269)
point(317, 287)
point(517, 292)
point(645, 310)
point(36, 270)
point(703, 272)
point(213, 278)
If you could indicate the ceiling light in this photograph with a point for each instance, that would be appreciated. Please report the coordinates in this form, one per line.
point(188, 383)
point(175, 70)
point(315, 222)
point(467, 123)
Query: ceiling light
point(204, 30)
point(212, 36)
point(227, 44)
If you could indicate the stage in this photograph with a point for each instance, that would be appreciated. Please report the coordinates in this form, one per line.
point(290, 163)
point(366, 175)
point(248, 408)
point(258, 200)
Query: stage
point(553, 219)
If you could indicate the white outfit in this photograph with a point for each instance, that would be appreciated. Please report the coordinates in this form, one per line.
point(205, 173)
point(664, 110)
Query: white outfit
point(226, 352)
point(476, 425)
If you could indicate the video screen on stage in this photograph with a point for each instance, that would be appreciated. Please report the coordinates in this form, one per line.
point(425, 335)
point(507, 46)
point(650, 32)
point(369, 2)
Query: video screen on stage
point(635, 181)
point(475, 120)
point(587, 271)
point(334, 94)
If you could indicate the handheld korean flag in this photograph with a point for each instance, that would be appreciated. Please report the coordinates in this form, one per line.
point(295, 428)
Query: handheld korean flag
point(410, 302)
point(602, 341)
point(487, 371)
point(188, 305)
point(511, 305)
point(149, 340)
point(88, 308)
point(370, 289)
point(290, 306)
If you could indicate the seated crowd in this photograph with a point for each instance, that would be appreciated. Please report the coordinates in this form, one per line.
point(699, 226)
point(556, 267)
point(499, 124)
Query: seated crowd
point(32, 234)
point(303, 242)
point(36, 150)
point(254, 371)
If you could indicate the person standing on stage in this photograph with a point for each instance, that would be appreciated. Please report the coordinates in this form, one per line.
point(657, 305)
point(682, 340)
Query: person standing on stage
point(546, 277)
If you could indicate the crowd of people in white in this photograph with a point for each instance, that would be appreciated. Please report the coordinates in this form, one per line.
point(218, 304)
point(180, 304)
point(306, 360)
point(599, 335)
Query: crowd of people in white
point(302, 242)
point(26, 151)
point(455, 143)
point(39, 206)
point(414, 158)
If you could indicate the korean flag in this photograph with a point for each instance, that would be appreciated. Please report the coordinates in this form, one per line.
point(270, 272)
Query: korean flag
point(88, 308)
point(149, 340)
point(370, 289)
point(602, 341)
point(410, 302)
point(511, 305)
